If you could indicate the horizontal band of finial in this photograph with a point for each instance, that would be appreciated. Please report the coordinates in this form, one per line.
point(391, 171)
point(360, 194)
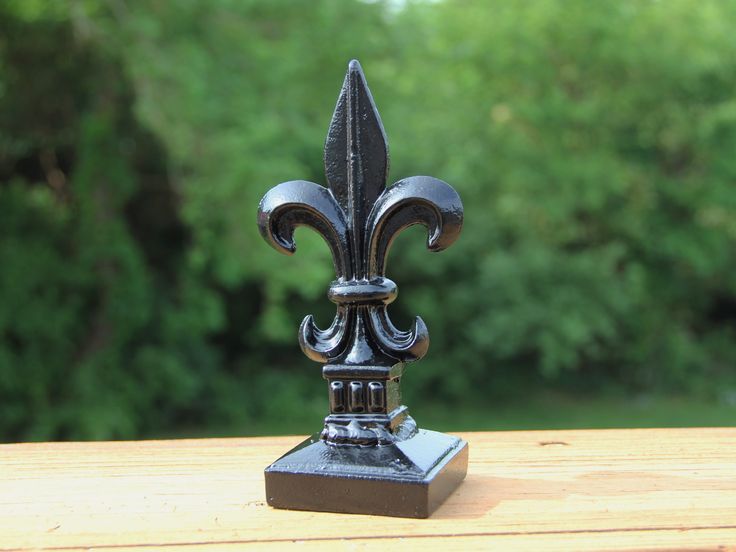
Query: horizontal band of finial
point(363, 292)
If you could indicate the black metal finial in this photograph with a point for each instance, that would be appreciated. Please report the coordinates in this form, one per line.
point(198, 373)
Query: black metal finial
point(362, 351)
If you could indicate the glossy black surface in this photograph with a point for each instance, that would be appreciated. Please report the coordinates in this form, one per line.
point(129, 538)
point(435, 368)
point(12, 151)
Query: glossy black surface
point(408, 478)
point(359, 218)
point(363, 353)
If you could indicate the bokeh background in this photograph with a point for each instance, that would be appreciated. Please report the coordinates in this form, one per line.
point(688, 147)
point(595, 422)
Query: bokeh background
point(594, 146)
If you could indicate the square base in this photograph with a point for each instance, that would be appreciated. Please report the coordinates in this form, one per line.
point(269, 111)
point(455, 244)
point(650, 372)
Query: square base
point(408, 478)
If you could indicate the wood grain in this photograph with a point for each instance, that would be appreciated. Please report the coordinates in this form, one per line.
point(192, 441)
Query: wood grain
point(639, 489)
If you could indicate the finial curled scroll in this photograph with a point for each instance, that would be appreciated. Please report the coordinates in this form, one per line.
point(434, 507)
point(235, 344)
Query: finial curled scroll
point(359, 217)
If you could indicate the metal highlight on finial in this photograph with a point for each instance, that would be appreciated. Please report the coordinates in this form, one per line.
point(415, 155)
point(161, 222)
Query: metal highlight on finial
point(358, 216)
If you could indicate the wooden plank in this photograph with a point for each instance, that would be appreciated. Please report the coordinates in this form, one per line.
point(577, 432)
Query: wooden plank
point(560, 490)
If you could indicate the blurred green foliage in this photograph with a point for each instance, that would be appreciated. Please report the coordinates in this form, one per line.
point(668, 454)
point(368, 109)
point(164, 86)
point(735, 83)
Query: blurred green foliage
point(594, 147)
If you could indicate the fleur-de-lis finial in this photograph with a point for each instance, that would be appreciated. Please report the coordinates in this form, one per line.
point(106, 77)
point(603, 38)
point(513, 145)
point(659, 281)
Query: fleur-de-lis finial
point(370, 457)
point(359, 217)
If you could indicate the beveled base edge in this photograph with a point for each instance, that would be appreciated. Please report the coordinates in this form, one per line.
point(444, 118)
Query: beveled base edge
point(333, 487)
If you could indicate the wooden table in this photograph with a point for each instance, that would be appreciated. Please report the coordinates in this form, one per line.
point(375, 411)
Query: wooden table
point(557, 490)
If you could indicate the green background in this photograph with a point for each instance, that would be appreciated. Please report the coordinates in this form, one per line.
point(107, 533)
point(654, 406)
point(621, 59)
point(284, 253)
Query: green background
point(593, 144)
